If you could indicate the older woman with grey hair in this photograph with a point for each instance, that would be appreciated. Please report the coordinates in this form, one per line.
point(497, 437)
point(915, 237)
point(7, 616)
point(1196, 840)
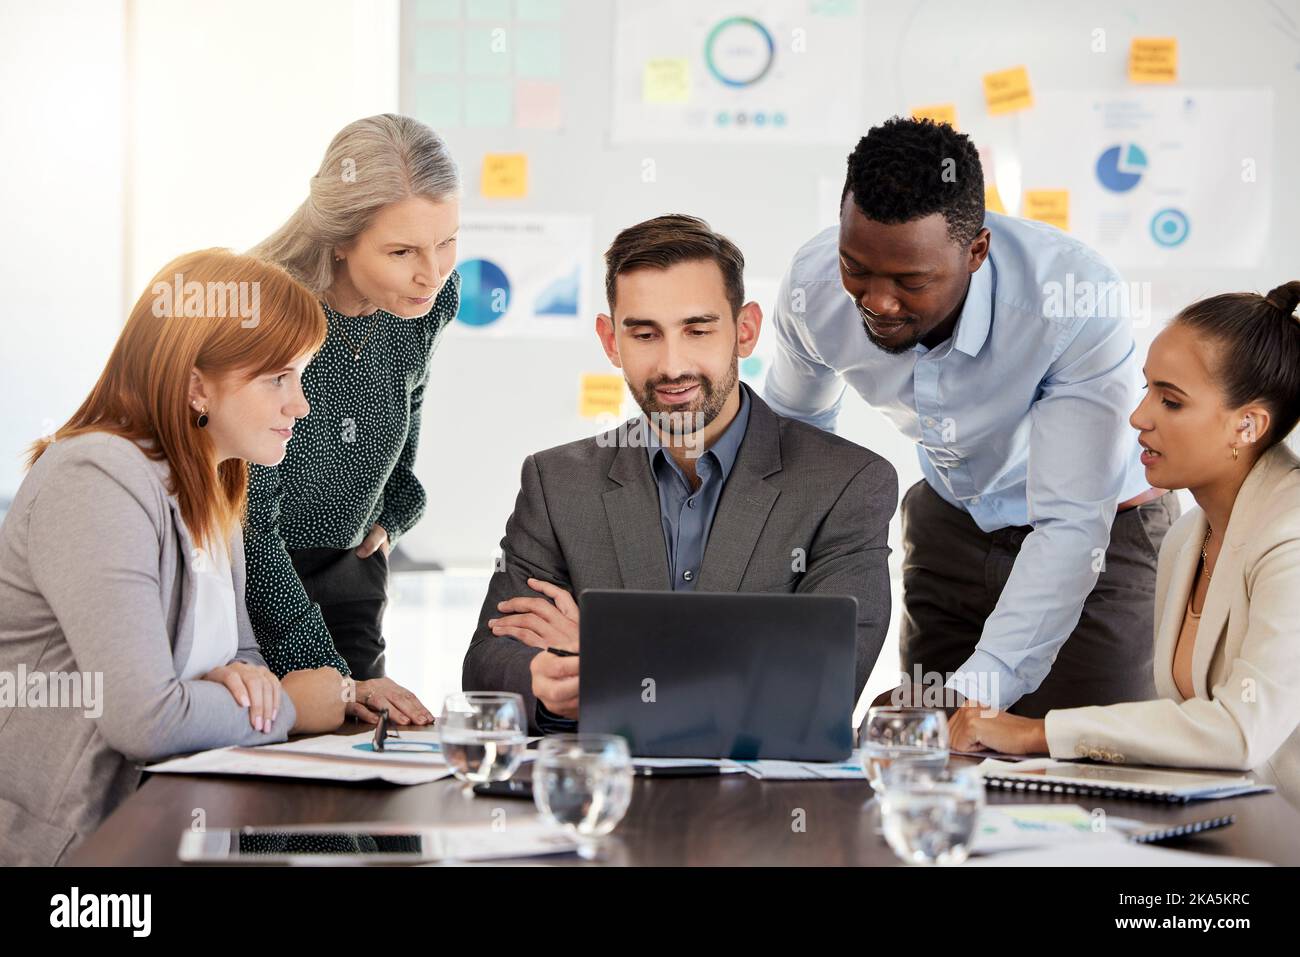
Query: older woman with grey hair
point(375, 240)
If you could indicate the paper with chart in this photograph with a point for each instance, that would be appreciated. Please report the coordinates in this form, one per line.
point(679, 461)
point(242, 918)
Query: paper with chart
point(703, 71)
point(1159, 177)
point(263, 763)
point(523, 275)
point(415, 757)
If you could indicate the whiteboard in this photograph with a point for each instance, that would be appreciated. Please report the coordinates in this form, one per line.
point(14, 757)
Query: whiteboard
point(491, 402)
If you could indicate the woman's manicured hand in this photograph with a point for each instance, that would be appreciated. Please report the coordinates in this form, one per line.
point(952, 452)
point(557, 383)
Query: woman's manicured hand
point(255, 688)
point(378, 693)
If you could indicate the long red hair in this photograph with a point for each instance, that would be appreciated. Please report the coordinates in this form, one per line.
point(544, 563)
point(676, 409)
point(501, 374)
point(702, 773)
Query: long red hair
point(143, 392)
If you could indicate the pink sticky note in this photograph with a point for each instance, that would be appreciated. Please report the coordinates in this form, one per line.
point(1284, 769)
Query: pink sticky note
point(537, 105)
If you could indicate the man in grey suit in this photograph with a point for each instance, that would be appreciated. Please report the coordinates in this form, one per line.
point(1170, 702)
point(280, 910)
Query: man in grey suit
point(708, 490)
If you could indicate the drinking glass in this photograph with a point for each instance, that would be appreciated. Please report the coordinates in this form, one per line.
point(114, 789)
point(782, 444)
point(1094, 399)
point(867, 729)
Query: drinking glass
point(930, 814)
point(583, 782)
point(483, 734)
point(893, 735)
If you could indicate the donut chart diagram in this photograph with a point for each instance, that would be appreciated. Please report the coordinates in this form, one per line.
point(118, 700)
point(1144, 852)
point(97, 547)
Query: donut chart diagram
point(701, 70)
point(1169, 227)
point(739, 51)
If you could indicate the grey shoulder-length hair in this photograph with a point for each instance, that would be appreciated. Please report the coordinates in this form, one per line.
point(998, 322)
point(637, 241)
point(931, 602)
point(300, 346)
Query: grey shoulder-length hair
point(370, 164)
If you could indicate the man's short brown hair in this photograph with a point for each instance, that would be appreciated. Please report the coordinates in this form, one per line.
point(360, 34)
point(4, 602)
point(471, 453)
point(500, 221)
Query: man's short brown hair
point(668, 240)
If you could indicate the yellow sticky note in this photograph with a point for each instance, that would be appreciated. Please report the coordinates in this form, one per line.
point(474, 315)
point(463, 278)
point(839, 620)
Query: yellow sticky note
point(1051, 206)
point(940, 113)
point(601, 394)
point(1153, 60)
point(992, 200)
point(667, 80)
point(1007, 91)
point(505, 175)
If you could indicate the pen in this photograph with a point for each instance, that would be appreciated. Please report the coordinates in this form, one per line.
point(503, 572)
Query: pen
point(561, 653)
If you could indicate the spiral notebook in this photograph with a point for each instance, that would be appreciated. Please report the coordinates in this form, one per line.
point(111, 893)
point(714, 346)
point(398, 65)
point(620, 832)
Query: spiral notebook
point(1018, 826)
point(1140, 784)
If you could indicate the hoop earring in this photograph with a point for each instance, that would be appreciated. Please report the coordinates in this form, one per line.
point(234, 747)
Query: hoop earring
point(1234, 450)
point(202, 422)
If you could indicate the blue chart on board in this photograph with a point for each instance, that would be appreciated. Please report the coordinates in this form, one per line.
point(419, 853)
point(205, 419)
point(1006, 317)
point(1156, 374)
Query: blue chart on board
point(1120, 168)
point(560, 298)
point(484, 292)
point(1169, 227)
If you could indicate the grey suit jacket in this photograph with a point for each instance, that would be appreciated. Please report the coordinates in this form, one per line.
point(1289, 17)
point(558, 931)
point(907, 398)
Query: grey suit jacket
point(587, 516)
point(95, 578)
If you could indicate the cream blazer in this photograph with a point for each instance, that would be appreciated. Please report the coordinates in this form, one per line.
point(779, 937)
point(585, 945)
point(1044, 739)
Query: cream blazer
point(1245, 715)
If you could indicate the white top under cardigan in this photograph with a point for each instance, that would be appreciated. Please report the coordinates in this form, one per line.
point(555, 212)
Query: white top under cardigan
point(216, 631)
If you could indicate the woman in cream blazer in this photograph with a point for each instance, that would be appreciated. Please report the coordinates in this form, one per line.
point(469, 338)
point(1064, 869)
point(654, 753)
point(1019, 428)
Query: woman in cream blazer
point(1223, 382)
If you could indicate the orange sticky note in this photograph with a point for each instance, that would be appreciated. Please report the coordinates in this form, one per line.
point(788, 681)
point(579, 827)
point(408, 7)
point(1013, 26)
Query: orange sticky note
point(940, 113)
point(1007, 91)
point(1153, 60)
point(505, 176)
point(600, 394)
point(1051, 206)
point(991, 198)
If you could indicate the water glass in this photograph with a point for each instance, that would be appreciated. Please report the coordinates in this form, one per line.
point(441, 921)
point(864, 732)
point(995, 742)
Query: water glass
point(929, 815)
point(484, 735)
point(896, 735)
point(584, 783)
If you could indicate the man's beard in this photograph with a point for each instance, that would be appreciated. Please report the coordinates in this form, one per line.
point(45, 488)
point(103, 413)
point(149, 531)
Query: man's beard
point(692, 416)
point(907, 345)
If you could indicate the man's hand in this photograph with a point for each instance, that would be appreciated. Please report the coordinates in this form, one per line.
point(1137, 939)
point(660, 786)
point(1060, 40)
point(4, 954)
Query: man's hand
point(975, 728)
point(555, 683)
point(376, 538)
point(538, 623)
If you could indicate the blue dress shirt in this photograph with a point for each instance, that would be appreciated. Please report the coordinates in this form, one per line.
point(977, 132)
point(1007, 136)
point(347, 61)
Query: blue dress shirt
point(1020, 418)
point(686, 513)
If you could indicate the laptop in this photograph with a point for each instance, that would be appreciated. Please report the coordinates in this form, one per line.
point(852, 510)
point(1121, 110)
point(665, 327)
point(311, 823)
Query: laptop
point(702, 675)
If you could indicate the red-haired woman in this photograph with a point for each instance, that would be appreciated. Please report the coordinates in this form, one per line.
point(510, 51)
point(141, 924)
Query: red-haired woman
point(121, 558)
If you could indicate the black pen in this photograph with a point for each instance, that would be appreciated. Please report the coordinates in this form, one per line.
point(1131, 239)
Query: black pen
point(561, 653)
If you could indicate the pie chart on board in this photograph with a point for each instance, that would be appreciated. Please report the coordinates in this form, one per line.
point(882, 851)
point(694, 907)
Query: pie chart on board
point(1120, 168)
point(484, 292)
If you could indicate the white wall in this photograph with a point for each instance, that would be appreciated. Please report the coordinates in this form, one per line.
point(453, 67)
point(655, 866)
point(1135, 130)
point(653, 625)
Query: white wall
point(915, 52)
point(233, 106)
point(62, 104)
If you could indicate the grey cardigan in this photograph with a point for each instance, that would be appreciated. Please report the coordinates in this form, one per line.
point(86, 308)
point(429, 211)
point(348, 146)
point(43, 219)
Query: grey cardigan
point(95, 578)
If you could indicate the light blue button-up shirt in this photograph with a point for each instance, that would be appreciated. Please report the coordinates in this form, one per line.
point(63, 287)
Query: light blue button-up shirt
point(1020, 418)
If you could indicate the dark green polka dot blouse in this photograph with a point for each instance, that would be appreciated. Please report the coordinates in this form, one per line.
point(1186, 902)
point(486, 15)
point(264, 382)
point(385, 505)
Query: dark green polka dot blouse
point(349, 466)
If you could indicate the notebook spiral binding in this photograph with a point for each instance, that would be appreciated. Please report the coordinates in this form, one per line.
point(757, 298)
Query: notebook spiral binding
point(1156, 835)
point(1092, 790)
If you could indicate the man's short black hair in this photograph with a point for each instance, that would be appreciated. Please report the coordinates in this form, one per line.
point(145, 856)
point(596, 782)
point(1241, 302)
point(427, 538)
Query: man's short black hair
point(900, 171)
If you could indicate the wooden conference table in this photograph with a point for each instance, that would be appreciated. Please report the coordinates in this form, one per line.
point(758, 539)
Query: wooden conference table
point(721, 820)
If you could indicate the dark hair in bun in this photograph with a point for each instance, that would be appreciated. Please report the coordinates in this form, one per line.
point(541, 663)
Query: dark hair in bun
point(1260, 358)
